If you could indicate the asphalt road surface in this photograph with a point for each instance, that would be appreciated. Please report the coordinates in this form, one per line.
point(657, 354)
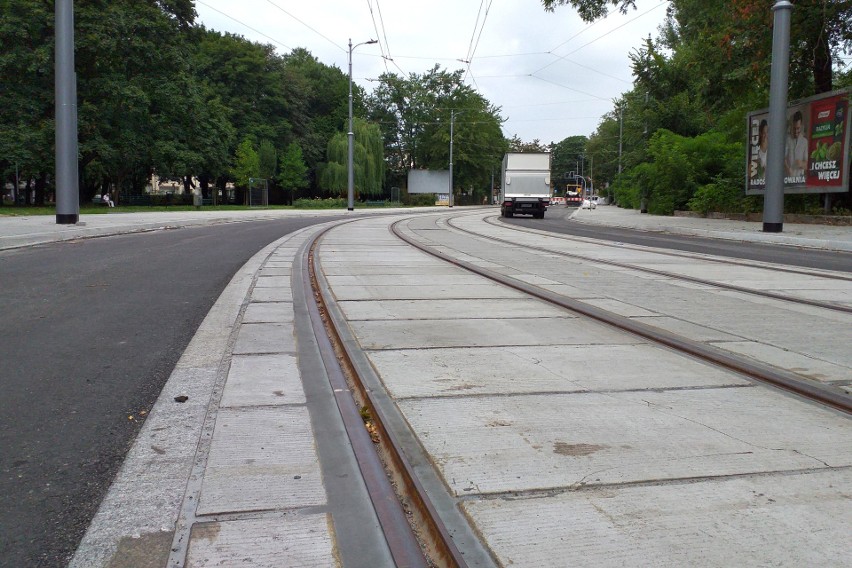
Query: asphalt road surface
point(90, 331)
point(556, 221)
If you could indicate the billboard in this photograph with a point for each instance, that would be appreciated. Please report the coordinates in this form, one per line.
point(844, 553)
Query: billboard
point(429, 181)
point(816, 154)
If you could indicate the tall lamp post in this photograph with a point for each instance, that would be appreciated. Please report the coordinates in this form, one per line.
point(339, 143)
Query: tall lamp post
point(67, 185)
point(351, 135)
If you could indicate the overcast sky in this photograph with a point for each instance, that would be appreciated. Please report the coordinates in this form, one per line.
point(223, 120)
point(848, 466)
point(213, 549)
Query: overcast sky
point(553, 75)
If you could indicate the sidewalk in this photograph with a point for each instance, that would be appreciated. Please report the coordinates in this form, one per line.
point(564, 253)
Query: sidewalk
point(16, 232)
point(807, 236)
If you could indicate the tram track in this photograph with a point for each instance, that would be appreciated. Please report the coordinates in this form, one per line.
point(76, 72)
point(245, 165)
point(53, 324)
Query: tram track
point(702, 281)
point(415, 530)
point(827, 395)
point(453, 517)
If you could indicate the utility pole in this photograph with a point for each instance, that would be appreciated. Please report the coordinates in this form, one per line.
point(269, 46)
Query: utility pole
point(67, 181)
point(452, 119)
point(620, 136)
point(350, 185)
point(773, 199)
point(592, 174)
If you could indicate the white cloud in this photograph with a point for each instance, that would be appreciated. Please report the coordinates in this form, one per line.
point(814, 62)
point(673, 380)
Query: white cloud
point(553, 75)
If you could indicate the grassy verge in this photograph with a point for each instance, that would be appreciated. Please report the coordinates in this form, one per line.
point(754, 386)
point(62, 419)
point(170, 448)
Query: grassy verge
point(11, 211)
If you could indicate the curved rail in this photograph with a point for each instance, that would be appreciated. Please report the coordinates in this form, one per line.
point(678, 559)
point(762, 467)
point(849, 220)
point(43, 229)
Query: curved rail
point(498, 222)
point(405, 547)
point(791, 382)
point(722, 285)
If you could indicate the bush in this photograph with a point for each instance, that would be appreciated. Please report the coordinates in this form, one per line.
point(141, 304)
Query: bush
point(631, 186)
point(679, 168)
point(721, 195)
point(330, 203)
point(419, 199)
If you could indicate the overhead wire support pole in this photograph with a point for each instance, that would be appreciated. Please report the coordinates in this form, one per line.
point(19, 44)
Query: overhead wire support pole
point(67, 184)
point(773, 199)
point(452, 118)
point(620, 136)
point(350, 166)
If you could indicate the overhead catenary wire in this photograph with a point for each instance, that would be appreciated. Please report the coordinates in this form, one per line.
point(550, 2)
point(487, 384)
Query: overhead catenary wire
point(270, 38)
point(332, 42)
point(382, 36)
point(474, 38)
point(474, 41)
point(613, 30)
point(382, 44)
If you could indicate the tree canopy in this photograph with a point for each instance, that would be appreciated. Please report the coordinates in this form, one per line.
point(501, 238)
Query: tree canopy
point(417, 113)
point(696, 81)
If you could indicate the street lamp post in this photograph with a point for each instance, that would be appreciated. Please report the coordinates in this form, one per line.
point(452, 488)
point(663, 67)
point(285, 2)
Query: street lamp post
point(452, 119)
point(351, 134)
point(67, 184)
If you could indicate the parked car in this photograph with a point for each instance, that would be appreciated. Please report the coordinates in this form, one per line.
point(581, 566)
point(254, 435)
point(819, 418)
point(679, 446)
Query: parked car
point(588, 204)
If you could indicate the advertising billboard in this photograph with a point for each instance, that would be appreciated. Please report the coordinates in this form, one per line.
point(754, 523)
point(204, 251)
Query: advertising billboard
point(817, 152)
point(429, 181)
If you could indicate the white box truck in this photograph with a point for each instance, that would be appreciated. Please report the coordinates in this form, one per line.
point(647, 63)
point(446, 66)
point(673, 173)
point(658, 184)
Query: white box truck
point(525, 178)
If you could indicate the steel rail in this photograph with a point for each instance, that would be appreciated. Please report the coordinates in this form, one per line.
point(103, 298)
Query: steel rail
point(405, 548)
point(498, 222)
point(823, 394)
point(402, 542)
point(693, 279)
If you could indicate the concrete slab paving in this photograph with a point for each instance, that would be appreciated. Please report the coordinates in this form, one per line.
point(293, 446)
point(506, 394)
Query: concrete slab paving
point(274, 271)
point(273, 282)
point(460, 278)
point(560, 330)
point(257, 338)
point(688, 329)
point(756, 521)
point(798, 363)
point(263, 380)
point(427, 292)
point(499, 444)
point(295, 539)
point(346, 269)
point(276, 294)
point(269, 312)
point(423, 373)
point(619, 307)
point(261, 459)
point(449, 309)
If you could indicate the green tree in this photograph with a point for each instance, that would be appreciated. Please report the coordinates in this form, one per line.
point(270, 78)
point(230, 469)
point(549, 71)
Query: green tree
point(26, 90)
point(246, 164)
point(591, 10)
point(416, 113)
point(321, 108)
point(679, 167)
point(293, 170)
point(566, 154)
point(368, 162)
point(518, 145)
point(267, 157)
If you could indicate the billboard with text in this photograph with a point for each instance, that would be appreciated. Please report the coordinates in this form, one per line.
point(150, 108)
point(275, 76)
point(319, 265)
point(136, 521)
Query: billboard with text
point(816, 153)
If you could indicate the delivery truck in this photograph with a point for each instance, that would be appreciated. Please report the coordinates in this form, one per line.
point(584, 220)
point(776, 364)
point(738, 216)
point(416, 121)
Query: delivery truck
point(525, 178)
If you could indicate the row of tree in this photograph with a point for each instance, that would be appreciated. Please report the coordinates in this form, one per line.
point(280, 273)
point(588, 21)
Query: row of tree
point(158, 94)
point(682, 125)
